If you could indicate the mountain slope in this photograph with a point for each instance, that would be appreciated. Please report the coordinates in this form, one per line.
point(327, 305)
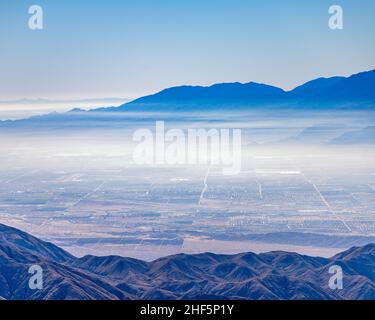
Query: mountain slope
point(354, 92)
point(19, 251)
point(25, 246)
point(310, 88)
point(273, 275)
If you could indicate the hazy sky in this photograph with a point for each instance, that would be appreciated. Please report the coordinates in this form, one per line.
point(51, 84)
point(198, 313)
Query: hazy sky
point(92, 49)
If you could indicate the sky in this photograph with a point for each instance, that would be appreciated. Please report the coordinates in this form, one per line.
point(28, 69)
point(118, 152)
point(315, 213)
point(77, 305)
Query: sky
point(129, 48)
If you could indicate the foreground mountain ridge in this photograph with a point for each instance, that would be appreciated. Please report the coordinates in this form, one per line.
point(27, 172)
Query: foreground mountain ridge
point(272, 275)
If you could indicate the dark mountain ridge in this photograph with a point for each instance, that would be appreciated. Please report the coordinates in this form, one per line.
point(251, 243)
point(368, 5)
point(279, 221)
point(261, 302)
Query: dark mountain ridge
point(272, 275)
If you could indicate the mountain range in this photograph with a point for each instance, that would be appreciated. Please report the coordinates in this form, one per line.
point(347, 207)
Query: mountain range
point(354, 92)
point(272, 275)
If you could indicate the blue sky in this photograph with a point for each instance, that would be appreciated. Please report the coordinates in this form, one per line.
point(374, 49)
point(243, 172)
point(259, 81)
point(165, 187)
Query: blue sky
point(93, 49)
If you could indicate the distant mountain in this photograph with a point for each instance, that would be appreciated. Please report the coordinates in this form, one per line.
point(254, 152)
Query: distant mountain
point(363, 136)
point(217, 96)
point(273, 275)
point(310, 88)
point(354, 92)
point(315, 135)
